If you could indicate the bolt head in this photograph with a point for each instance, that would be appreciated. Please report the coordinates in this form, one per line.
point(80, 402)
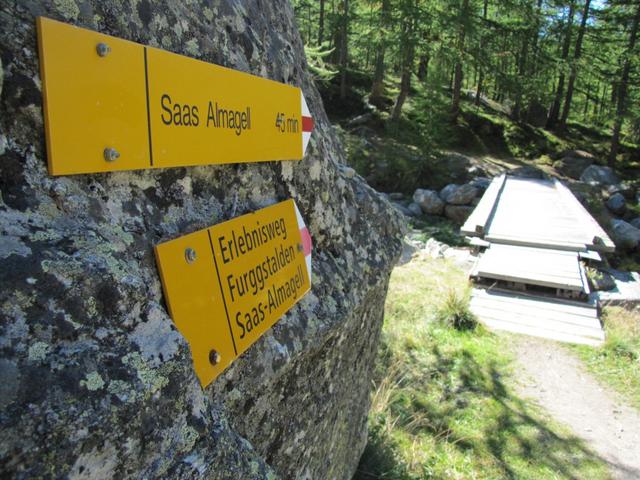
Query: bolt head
point(214, 357)
point(103, 49)
point(111, 154)
point(190, 255)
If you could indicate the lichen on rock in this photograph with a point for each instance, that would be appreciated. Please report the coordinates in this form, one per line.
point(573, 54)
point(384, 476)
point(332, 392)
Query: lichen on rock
point(95, 380)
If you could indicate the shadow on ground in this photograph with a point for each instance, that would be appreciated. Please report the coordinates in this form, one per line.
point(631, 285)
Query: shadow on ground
point(462, 413)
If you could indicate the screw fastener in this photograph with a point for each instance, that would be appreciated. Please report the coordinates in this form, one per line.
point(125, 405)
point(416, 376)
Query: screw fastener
point(111, 154)
point(300, 247)
point(103, 49)
point(190, 255)
point(214, 357)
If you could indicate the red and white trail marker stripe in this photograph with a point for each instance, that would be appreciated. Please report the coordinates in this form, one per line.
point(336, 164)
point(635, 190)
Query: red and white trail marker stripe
point(307, 125)
point(307, 244)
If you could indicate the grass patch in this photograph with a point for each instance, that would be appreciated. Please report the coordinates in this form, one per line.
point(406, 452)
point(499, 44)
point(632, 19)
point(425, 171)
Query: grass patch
point(454, 311)
point(617, 362)
point(443, 406)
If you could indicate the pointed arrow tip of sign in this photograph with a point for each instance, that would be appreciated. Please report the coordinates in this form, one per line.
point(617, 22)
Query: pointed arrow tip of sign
point(307, 123)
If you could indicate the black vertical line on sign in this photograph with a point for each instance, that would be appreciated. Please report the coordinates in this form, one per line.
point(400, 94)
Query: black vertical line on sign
point(146, 84)
point(215, 262)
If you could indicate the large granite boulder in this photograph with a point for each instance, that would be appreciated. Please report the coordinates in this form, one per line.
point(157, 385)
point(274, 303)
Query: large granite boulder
point(95, 381)
point(458, 213)
point(596, 174)
point(625, 235)
point(458, 194)
point(573, 163)
point(429, 201)
point(616, 203)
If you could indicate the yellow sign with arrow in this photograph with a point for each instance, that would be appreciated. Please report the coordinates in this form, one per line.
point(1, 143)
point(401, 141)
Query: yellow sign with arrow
point(111, 104)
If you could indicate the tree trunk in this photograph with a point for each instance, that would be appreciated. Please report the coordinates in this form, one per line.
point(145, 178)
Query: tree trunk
point(485, 8)
point(621, 107)
point(423, 68)
point(522, 64)
point(554, 112)
point(309, 23)
point(343, 50)
point(574, 67)
point(457, 76)
point(321, 23)
point(377, 87)
point(585, 112)
point(405, 83)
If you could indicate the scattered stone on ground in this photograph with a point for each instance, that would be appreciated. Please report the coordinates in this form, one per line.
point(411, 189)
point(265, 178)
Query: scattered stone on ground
point(481, 183)
point(617, 204)
point(415, 209)
point(597, 174)
point(458, 194)
point(402, 209)
point(558, 382)
point(626, 289)
point(573, 163)
point(429, 201)
point(458, 213)
point(625, 235)
point(461, 256)
point(624, 188)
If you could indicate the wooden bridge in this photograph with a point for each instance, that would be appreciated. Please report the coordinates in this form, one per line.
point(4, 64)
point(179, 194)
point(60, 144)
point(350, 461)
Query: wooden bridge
point(535, 239)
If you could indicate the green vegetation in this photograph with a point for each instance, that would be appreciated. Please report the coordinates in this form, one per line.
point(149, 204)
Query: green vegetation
point(548, 63)
point(444, 406)
point(617, 363)
point(454, 311)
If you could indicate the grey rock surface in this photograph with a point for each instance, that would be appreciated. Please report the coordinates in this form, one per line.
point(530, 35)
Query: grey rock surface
point(415, 209)
point(616, 203)
point(635, 222)
point(599, 175)
point(402, 209)
point(458, 213)
point(429, 201)
point(459, 194)
point(573, 163)
point(624, 188)
point(95, 381)
point(448, 190)
point(480, 183)
point(625, 235)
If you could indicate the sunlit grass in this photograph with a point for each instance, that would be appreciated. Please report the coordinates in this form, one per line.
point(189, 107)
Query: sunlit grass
point(443, 406)
point(617, 362)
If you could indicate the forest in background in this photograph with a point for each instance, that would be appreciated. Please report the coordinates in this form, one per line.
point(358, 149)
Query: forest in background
point(548, 63)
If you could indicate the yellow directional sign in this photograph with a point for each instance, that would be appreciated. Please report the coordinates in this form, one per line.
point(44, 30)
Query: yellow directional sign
point(111, 104)
point(228, 284)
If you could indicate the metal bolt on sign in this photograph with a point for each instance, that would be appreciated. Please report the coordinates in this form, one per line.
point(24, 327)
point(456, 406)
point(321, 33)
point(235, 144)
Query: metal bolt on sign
point(214, 357)
point(103, 49)
point(111, 154)
point(190, 255)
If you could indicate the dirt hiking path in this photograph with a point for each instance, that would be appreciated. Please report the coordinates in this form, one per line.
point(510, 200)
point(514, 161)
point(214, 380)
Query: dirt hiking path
point(558, 382)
